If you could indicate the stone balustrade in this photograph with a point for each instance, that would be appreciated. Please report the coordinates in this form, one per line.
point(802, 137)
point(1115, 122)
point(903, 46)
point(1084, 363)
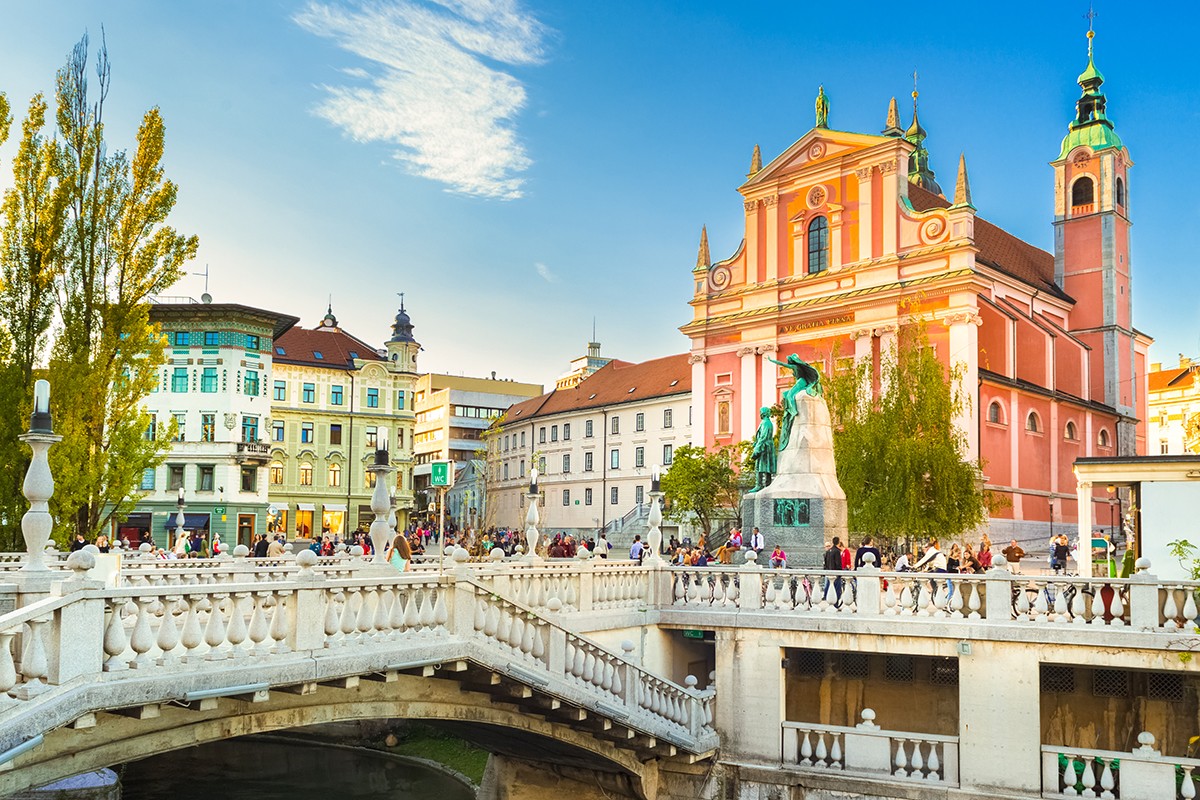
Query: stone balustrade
point(1144, 774)
point(868, 751)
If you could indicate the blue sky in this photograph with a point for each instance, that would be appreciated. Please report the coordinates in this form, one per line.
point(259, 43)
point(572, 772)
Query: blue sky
point(518, 168)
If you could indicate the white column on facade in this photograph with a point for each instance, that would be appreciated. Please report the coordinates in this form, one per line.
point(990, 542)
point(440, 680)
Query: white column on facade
point(748, 391)
point(769, 394)
point(752, 243)
point(964, 350)
point(887, 351)
point(862, 354)
point(699, 401)
point(865, 220)
point(1016, 426)
point(771, 245)
point(1083, 555)
point(891, 206)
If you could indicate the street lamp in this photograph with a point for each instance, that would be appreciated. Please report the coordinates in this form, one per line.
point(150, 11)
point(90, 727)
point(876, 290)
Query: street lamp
point(381, 500)
point(654, 534)
point(39, 483)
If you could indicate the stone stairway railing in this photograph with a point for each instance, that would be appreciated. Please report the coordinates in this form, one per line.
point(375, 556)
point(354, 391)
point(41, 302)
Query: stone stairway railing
point(88, 648)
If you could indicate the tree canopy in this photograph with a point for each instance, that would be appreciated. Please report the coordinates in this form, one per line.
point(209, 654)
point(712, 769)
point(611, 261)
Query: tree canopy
point(704, 484)
point(900, 453)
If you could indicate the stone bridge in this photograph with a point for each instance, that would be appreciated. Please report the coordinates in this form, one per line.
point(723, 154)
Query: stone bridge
point(831, 685)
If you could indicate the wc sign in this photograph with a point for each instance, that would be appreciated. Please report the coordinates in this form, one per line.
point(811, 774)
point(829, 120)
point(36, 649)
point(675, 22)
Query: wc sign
point(440, 473)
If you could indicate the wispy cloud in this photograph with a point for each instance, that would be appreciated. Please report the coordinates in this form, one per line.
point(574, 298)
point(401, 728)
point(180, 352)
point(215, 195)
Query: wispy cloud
point(435, 90)
point(545, 273)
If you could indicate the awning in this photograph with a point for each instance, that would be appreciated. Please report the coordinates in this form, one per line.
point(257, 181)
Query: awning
point(305, 507)
point(191, 522)
point(335, 507)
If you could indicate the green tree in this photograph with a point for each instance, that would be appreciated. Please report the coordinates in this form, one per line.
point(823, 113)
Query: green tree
point(900, 454)
point(118, 253)
point(31, 233)
point(704, 484)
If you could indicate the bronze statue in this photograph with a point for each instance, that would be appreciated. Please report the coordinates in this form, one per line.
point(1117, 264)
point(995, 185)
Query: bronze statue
point(808, 380)
point(822, 109)
point(763, 451)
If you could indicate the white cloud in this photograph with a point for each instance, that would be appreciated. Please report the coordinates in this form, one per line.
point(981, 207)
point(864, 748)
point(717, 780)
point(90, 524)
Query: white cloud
point(430, 93)
point(544, 272)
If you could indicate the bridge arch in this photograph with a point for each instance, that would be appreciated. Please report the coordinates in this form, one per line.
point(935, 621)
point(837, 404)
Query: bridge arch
point(117, 738)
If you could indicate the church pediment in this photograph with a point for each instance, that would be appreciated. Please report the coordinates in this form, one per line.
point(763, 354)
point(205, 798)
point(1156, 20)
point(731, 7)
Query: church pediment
point(818, 145)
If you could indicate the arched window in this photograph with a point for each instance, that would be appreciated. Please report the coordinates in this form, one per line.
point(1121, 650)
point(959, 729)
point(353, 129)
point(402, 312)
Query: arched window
point(335, 474)
point(1120, 192)
point(995, 413)
point(1083, 192)
point(1032, 423)
point(1071, 434)
point(276, 473)
point(1103, 438)
point(306, 474)
point(818, 245)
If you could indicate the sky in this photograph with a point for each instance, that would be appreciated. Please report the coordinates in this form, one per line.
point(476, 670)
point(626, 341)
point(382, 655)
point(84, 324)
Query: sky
point(518, 168)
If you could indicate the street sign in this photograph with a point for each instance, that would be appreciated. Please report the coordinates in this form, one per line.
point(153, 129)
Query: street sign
point(441, 473)
point(218, 509)
point(688, 633)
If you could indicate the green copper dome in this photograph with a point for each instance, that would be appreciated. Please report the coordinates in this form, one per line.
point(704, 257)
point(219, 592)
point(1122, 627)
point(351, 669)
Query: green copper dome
point(1091, 125)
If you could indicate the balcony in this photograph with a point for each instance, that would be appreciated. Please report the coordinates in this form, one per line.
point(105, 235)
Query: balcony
point(256, 453)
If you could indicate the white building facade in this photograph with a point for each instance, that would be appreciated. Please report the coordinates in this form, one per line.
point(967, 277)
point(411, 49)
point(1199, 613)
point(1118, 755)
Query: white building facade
point(594, 445)
point(1173, 423)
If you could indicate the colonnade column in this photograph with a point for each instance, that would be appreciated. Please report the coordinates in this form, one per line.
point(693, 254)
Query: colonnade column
point(964, 349)
point(699, 399)
point(887, 350)
point(1084, 555)
point(769, 394)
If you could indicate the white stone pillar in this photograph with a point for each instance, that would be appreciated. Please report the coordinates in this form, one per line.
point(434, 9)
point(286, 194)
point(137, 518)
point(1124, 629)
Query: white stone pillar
point(753, 246)
point(1007, 722)
point(700, 436)
point(748, 392)
point(750, 674)
point(862, 354)
point(769, 394)
point(887, 352)
point(865, 220)
point(771, 245)
point(1083, 555)
point(891, 205)
point(964, 350)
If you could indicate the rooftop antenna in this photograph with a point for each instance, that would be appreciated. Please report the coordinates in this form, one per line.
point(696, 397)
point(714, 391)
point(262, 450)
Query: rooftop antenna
point(206, 297)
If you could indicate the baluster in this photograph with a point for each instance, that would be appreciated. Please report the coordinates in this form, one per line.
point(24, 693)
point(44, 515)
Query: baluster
point(1187, 789)
point(440, 612)
point(889, 599)
point(906, 597)
point(8, 669)
point(718, 594)
point(1088, 778)
point(1098, 606)
point(572, 596)
point(1117, 607)
point(956, 600)
point(1170, 610)
point(835, 752)
point(768, 591)
point(364, 620)
point(538, 650)
point(822, 754)
point(934, 764)
point(1189, 608)
point(693, 591)
point(732, 592)
point(193, 635)
point(214, 631)
point(259, 629)
point(974, 603)
point(924, 600)
point(806, 751)
point(236, 633)
point(917, 765)
point(527, 638)
point(1070, 778)
point(142, 637)
point(115, 641)
point(1078, 607)
point(332, 619)
point(1022, 604)
point(412, 613)
point(1108, 782)
point(349, 621)
point(941, 598)
point(900, 762)
point(1061, 613)
point(382, 628)
point(34, 666)
point(680, 588)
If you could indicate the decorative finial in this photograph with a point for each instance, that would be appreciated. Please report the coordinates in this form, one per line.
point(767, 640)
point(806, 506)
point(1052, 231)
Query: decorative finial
point(822, 108)
point(703, 261)
point(755, 162)
point(401, 296)
point(962, 189)
point(1091, 34)
point(893, 120)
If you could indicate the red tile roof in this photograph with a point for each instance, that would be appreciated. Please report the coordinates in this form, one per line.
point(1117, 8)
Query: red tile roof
point(615, 382)
point(1000, 249)
point(1173, 378)
point(337, 348)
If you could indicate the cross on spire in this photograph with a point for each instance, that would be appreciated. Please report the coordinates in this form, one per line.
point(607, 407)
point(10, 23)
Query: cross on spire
point(1091, 34)
point(401, 296)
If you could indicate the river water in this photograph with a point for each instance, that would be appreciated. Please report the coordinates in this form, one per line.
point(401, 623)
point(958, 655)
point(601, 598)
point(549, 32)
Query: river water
point(251, 769)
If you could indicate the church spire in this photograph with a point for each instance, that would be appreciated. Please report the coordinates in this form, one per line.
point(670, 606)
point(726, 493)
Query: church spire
point(755, 162)
point(893, 120)
point(962, 188)
point(703, 261)
point(919, 171)
point(1091, 125)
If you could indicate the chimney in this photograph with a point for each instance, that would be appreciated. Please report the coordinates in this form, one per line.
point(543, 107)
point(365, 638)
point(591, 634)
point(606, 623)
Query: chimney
point(1156, 366)
point(1184, 361)
point(493, 374)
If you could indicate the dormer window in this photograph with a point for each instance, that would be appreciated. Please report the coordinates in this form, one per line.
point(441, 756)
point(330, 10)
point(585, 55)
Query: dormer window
point(818, 245)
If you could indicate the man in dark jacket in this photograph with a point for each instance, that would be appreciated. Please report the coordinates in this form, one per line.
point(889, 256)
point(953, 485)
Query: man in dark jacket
point(833, 563)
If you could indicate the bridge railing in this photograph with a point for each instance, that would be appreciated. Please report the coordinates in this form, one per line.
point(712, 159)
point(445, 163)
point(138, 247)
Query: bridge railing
point(570, 586)
point(1142, 602)
point(85, 632)
point(1144, 774)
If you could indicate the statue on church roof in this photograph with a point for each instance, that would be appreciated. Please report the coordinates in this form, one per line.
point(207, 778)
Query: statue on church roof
point(822, 108)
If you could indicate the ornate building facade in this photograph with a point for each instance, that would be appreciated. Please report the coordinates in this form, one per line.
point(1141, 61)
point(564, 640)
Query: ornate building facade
point(849, 237)
point(1174, 421)
point(332, 397)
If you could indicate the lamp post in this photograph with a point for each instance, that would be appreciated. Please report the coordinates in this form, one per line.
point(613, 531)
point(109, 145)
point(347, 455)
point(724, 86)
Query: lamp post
point(38, 488)
point(654, 534)
point(381, 500)
point(180, 519)
point(531, 519)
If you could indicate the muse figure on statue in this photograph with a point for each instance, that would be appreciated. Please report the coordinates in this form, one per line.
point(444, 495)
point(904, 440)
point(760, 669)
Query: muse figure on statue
point(764, 451)
point(807, 380)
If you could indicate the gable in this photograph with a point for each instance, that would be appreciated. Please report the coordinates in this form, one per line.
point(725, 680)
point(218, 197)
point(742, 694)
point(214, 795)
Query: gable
point(816, 146)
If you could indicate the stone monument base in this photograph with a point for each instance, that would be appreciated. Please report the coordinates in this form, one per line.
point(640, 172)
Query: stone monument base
point(804, 507)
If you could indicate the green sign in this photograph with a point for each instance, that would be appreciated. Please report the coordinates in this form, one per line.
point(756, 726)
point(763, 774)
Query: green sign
point(439, 474)
point(691, 634)
point(218, 509)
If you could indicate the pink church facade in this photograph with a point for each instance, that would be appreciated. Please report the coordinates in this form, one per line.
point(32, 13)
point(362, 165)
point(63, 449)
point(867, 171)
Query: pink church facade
point(848, 237)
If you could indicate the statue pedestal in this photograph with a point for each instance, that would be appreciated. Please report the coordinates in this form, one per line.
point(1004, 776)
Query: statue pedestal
point(804, 507)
